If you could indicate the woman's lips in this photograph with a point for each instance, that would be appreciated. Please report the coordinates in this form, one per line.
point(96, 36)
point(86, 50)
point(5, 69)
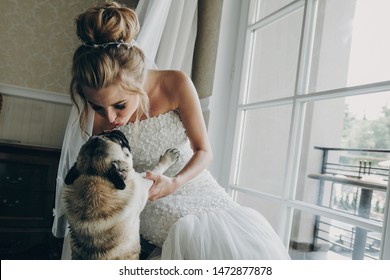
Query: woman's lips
point(116, 125)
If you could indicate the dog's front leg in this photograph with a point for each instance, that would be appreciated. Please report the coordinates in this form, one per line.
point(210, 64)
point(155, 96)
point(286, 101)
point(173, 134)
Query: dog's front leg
point(169, 158)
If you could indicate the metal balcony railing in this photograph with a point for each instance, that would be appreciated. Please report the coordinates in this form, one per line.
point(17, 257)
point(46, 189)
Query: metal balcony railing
point(353, 181)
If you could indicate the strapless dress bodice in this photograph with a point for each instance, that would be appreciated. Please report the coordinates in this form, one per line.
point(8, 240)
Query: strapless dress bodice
point(149, 139)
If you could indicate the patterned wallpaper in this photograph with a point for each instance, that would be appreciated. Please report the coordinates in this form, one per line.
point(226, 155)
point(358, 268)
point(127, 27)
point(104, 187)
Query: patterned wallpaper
point(37, 42)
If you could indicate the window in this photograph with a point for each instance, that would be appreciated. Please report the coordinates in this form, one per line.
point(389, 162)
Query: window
point(311, 149)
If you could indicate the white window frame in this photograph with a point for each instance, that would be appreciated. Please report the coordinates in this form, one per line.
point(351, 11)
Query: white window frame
point(230, 78)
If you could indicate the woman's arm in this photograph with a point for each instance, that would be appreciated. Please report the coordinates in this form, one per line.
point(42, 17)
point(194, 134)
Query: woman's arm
point(187, 101)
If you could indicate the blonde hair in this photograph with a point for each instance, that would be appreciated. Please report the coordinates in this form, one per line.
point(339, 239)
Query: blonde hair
point(100, 67)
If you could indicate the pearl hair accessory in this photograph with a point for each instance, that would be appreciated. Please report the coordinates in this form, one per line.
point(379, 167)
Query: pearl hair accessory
point(114, 43)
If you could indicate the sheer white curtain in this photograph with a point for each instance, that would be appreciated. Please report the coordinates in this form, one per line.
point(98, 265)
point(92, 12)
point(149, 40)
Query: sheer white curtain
point(168, 32)
point(167, 36)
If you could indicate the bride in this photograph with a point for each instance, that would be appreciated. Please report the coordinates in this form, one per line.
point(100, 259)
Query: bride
point(188, 215)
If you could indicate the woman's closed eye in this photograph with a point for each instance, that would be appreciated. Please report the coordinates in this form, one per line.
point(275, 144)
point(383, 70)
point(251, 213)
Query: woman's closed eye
point(120, 106)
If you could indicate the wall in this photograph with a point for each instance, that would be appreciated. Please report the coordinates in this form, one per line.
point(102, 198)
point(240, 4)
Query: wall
point(37, 43)
point(225, 86)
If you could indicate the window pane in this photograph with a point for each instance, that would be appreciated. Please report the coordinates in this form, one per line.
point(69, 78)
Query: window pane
point(339, 137)
point(350, 46)
point(344, 167)
point(263, 159)
point(319, 238)
point(271, 210)
point(275, 57)
point(267, 7)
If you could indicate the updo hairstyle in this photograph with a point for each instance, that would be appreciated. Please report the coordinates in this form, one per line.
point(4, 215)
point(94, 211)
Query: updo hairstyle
point(100, 67)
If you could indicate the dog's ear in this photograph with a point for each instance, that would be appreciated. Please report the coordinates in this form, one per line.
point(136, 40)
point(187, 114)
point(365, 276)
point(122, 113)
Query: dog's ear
point(72, 175)
point(117, 174)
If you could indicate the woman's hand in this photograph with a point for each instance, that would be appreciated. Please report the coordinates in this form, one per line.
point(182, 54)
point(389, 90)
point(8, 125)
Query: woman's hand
point(162, 185)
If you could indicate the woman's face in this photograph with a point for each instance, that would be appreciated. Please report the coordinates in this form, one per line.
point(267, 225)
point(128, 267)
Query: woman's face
point(112, 103)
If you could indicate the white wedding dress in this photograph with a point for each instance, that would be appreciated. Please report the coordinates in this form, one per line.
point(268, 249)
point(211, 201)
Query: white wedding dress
point(200, 220)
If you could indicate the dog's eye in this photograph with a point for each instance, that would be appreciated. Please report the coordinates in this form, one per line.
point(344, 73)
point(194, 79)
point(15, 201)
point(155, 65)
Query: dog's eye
point(126, 151)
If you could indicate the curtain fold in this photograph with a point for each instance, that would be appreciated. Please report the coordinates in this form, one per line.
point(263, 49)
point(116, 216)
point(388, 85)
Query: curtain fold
point(152, 16)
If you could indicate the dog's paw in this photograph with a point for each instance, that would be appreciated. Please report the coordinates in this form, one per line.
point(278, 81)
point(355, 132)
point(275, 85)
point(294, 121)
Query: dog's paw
point(171, 155)
point(169, 158)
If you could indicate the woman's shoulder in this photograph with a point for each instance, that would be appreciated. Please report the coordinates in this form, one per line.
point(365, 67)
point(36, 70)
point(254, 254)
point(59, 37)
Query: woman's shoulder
point(170, 78)
point(176, 84)
point(167, 88)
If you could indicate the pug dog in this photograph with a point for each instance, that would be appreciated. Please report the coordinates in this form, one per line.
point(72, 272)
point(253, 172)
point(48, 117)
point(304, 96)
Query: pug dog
point(104, 197)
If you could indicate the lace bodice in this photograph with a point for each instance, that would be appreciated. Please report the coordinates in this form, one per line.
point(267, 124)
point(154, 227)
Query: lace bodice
point(149, 139)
